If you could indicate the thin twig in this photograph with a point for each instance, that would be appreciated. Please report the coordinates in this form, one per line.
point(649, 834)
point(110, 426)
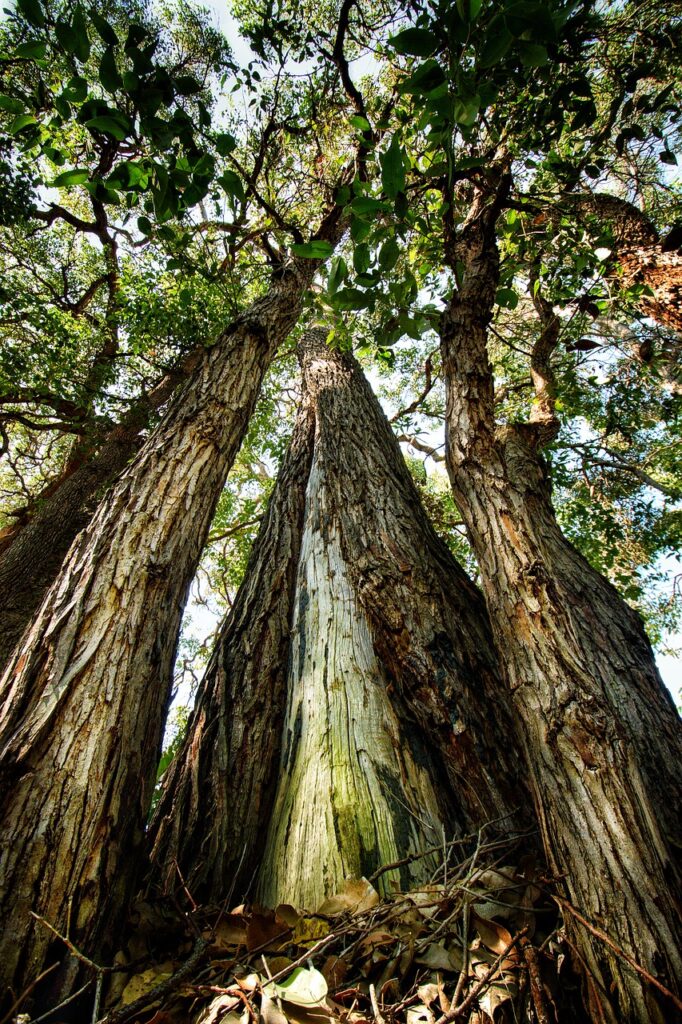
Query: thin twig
point(309, 953)
point(65, 1002)
point(599, 934)
point(70, 946)
point(477, 990)
point(161, 990)
point(24, 995)
point(98, 998)
point(378, 1016)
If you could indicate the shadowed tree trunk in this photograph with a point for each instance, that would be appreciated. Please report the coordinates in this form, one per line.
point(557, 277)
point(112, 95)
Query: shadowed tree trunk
point(31, 554)
point(84, 698)
point(602, 738)
point(353, 700)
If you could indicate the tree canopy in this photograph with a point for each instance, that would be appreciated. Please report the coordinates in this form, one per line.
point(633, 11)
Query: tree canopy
point(151, 185)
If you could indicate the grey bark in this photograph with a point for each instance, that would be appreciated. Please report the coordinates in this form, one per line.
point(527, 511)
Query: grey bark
point(84, 697)
point(350, 601)
point(601, 736)
point(31, 556)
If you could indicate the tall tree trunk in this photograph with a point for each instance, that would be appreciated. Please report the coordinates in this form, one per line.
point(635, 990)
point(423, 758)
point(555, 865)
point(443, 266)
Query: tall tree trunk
point(31, 554)
point(377, 675)
point(601, 735)
point(84, 698)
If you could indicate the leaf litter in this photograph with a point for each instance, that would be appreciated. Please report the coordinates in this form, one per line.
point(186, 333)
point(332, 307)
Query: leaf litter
point(480, 945)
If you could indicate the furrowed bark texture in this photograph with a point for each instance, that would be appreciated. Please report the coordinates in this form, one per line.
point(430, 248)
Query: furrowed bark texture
point(641, 256)
point(85, 696)
point(387, 697)
point(32, 555)
point(600, 733)
point(218, 792)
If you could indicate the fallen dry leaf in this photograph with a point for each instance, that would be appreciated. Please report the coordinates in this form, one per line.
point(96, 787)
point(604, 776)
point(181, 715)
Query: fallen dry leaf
point(265, 931)
point(436, 957)
point(270, 1011)
point(356, 896)
point(141, 984)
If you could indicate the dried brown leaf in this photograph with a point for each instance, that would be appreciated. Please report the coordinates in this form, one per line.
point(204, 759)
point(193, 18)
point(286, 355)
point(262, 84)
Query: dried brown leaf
point(265, 931)
point(356, 896)
point(436, 957)
point(230, 931)
point(140, 984)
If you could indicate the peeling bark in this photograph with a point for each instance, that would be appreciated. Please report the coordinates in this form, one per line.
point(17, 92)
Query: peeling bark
point(602, 739)
point(377, 700)
point(84, 697)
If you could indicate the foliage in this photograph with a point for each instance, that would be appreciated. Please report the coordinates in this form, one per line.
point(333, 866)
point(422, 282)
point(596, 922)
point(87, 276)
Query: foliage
point(151, 186)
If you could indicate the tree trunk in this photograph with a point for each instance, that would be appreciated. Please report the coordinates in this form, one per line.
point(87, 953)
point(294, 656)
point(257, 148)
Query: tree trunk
point(640, 257)
point(85, 696)
point(378, 684)
point(600, 733)
point(32, 554)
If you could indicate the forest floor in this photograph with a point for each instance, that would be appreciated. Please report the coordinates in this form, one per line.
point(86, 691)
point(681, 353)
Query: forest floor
point(484, 941)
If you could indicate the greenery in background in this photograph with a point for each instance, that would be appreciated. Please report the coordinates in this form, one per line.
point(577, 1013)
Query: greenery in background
point(150, 187)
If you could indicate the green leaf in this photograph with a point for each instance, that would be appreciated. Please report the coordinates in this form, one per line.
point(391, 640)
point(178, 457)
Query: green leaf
point(12, 105)
point(136, 35)
point(144, 225)
point(533, 55)
point(65, 36)
point(76, 176)
point(365, 204)
point(351, 298)
point(103, 27)
point(55, 156)
point(361, 258)
point(32, 10)
point(427, 77)
point(21, 122)
point(232, 184)
point(418, 42)
point(108, 125)
point(315, 250)
point(80, 29)
point(495, 46)
point(76, 90)
point(389, 254)
point(666, 157)
point(359, 122)
point(392, 169)
point(337, 274)
point(186, 85)
point(31, 51)
point(359, 229)
point(466, 109)
point(225, 143)
point(469, 9)
point(507, 298)
point(108, 72)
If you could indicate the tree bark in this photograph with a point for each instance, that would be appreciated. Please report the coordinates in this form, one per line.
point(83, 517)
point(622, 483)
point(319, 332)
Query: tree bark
point(84, 698)
point(32, 554)
point(641, 257)
point(378, 683)
point(601, 735)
